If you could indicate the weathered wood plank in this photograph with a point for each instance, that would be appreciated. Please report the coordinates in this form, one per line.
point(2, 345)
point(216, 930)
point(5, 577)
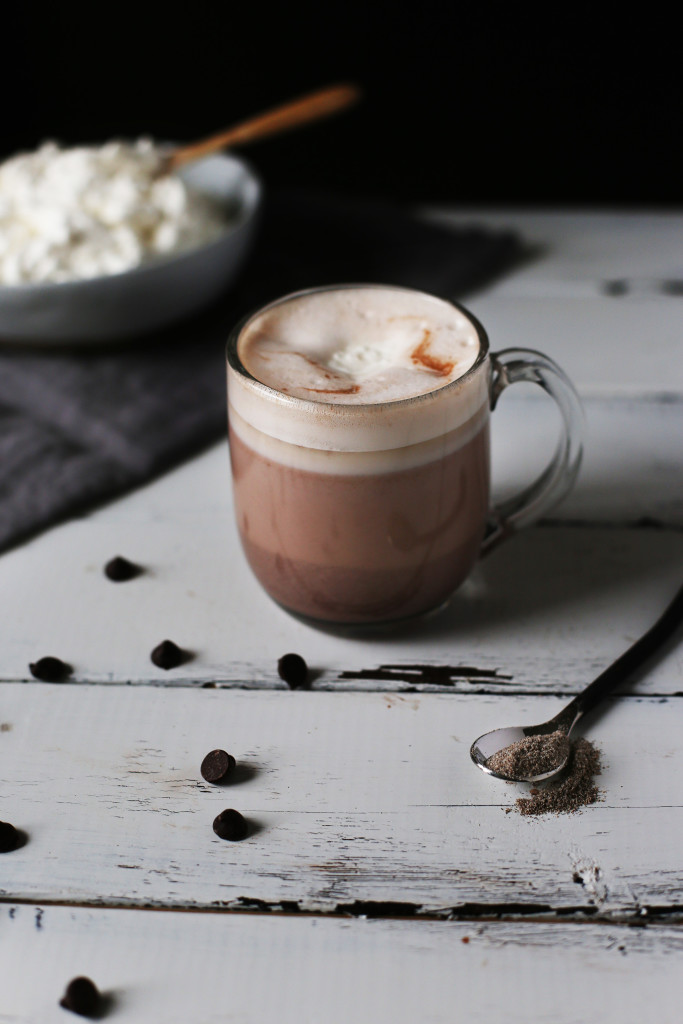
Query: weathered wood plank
point(607, 346)
point(545, 612)
point(557, 300)
point(175, 967)
point(633, 458)
point(577, 248)
point(520, 614)
point(352, 797)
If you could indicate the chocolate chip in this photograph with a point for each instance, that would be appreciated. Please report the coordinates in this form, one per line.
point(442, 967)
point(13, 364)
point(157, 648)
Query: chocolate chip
point(9, 837)
point(81, 997)
point(230, 825)
point(50, 670)
point(615, 288)
point(293, 669)
point(168, 655)
point(120, 569)
point(217, 765)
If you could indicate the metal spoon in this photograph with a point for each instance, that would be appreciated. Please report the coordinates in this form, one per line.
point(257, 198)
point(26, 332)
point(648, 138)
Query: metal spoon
point(622, 669)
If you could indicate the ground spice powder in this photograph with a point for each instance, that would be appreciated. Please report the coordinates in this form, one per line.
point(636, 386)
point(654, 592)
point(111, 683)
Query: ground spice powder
point(534, 755)
point(575, 788)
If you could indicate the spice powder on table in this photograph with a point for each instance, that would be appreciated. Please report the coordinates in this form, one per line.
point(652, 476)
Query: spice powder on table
point(535, 755)
point(576, 788)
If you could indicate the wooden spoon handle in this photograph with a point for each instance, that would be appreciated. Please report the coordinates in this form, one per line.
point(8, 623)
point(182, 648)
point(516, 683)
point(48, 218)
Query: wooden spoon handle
point(315, 105)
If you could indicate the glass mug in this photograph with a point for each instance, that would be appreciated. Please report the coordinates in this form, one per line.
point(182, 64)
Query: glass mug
point(376, 513)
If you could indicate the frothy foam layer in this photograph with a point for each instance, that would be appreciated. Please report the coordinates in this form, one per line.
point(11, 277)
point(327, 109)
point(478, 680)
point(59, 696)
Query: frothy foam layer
point(437, 411)
point(359, 345)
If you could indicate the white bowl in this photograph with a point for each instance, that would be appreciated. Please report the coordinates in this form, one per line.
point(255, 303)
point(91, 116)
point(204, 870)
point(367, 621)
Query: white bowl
point(151, 296)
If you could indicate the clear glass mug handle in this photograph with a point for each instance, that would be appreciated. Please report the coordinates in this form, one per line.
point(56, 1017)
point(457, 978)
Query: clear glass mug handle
point(510, 366)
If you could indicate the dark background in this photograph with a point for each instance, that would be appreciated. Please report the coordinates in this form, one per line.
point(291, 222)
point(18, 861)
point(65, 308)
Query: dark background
point(502, 104)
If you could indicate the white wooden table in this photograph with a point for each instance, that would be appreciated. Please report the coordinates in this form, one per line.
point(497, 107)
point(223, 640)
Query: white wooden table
point(382, 879)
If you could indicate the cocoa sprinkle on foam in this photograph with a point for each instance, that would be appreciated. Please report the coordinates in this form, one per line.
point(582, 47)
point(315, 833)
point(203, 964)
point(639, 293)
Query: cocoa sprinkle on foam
point(423, 357)
point(353, 390)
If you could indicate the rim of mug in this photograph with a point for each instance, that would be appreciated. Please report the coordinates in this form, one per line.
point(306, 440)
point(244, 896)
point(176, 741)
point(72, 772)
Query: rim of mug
point(236, 363)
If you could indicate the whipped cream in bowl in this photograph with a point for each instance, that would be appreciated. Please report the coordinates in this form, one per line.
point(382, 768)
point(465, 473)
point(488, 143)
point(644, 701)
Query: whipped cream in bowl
point(72, 214)
point(99, 243)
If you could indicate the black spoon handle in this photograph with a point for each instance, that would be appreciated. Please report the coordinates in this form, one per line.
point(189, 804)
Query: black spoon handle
point(624, 667)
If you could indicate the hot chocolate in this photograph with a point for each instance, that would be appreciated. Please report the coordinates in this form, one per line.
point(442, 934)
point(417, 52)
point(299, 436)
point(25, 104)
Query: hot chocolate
point(359, 443)
point(359, 446)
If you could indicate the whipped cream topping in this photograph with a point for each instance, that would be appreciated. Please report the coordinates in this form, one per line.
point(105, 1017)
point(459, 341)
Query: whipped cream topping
point(69, 214)
point(359, 345)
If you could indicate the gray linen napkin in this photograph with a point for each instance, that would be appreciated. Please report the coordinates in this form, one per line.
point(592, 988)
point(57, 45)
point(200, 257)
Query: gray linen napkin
point(79, 427)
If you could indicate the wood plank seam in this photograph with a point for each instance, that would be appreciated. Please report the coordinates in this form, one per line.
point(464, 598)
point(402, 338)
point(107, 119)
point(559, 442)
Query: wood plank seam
point(644, 916)
point(642, 523)
point(348, 686)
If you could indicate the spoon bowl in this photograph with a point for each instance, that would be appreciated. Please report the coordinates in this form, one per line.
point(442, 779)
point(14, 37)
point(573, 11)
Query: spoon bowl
point(496, 741)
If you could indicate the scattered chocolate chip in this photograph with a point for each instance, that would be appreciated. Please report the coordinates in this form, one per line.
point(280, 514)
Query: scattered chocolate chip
point(672, 287)
point(50, 670)
point(81, 997)
point(168, 655)
point(230, 825)
point(120, 569)
point(293, 670)
point(217, 765)
point(615, 288)
point(465, 939)
point(9, 837)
